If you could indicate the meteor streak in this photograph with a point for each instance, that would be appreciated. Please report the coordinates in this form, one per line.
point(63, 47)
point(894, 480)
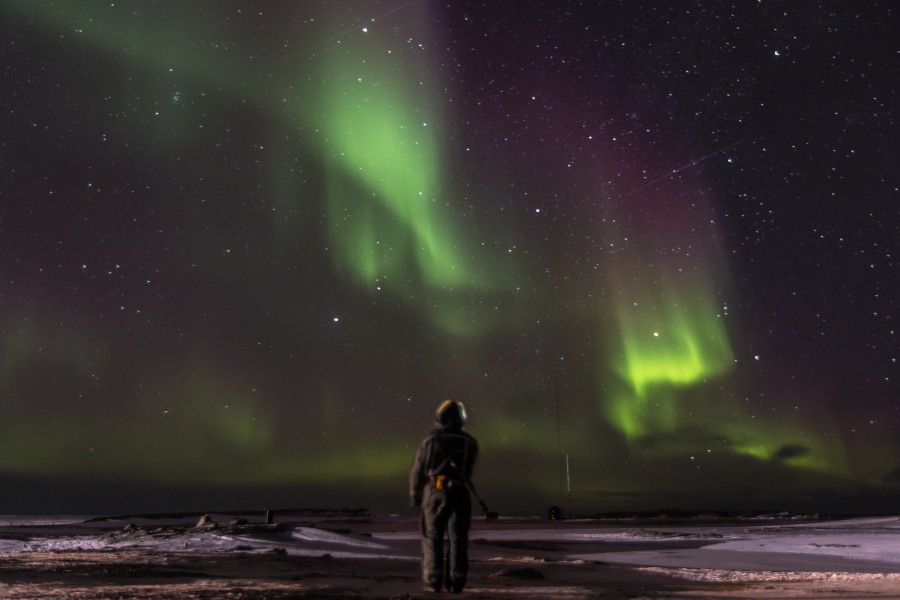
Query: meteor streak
point(683, 167)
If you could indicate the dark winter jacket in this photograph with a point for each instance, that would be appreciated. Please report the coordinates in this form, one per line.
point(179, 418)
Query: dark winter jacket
point(450, 452)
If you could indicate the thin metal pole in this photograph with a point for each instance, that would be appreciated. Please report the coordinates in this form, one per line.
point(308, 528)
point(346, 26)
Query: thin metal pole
point(559, 438)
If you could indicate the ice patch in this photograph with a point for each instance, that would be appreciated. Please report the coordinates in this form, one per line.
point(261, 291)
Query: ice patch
point(11, 546)
point(302, 541)
point(560, 535)
point(40, 521)
point(862, 546)
point(729, 576)
point(549, 591)
point(323, 536)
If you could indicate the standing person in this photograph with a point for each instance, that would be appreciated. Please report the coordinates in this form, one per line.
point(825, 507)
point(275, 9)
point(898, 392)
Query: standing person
point(439, 484)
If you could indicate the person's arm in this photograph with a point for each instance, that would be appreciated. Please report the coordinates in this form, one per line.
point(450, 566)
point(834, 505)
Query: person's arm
point(417, 476)
point(471, 455)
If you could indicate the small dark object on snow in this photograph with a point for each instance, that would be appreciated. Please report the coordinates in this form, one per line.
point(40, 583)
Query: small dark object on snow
point(205, 522)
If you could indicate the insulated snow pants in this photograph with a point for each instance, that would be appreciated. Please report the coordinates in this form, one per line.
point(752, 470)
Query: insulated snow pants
point(446, 512)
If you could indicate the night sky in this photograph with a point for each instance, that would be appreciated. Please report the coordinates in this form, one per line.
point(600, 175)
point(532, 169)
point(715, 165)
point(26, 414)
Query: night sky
point(246, 248)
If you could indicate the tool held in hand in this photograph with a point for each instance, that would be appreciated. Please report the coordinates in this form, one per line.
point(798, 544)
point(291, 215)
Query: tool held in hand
point(490, 515)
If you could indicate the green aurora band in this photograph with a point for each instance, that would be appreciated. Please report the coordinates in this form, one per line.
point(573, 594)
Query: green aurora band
point(390, 227)
point(666, 342)
point(384, 179)
point(389, 214)
point(389, 221)
point(672, 357)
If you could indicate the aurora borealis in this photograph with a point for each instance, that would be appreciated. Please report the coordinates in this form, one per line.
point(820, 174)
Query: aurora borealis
point(247, 248)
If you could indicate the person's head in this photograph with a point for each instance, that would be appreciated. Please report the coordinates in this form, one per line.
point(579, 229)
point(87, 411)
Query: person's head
point(450, 415)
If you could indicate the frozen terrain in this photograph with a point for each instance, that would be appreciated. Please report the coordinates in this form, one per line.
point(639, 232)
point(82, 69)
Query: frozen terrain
point(360, 555)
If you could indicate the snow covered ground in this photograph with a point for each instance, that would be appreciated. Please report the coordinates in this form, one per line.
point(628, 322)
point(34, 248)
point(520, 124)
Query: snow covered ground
point(294, 540)
point(864, 544)
point(857, 545)
point(576, 558)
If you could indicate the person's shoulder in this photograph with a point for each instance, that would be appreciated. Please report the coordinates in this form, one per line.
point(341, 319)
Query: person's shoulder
point(431, 435)
point(466, 435)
